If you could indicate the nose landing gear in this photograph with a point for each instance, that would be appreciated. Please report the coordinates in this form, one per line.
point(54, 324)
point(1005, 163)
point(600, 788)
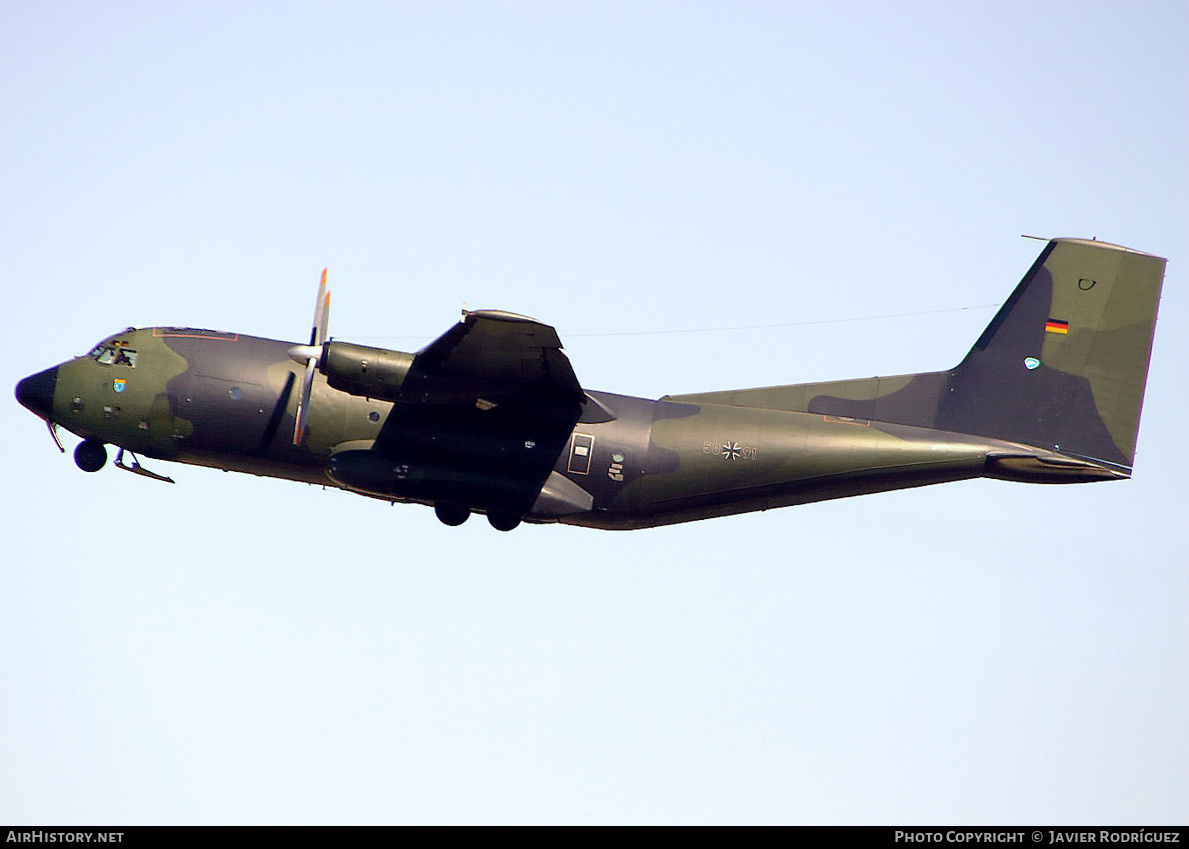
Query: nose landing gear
point(91, 455)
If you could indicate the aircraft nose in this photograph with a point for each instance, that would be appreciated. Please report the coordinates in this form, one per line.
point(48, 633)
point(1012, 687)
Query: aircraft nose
point(37, 392)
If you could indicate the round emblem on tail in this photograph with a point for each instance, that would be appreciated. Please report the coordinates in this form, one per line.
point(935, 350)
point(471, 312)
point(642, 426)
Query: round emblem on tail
point(1031, 363)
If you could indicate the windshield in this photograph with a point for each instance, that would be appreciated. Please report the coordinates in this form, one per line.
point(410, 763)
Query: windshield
point(113, 355)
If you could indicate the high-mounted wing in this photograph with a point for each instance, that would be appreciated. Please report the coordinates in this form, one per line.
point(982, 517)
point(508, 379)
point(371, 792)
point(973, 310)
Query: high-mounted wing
point(479, 416)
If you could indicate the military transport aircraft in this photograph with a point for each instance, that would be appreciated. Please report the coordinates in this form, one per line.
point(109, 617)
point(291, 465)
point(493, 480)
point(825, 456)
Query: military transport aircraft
point(489, 418)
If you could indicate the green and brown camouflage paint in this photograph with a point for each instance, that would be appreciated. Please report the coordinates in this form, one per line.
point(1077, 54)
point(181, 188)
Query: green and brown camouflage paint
point(1050, 393)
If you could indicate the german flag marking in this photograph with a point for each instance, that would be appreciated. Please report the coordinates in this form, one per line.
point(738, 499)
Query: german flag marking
point(1054, 326)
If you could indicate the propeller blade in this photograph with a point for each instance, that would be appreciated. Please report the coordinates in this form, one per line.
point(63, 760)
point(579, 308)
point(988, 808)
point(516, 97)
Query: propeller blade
point(309, 355)
point(303, 402)
point(321, 313)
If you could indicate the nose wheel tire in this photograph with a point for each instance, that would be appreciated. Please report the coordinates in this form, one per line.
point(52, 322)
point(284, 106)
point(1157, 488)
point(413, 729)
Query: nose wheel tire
point(451, 514)
point(90, 456)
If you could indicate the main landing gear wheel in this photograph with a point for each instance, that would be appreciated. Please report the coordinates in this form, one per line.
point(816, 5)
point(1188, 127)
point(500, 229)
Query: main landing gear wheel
point(90, 455)
point(503, 521)
point(451, 514)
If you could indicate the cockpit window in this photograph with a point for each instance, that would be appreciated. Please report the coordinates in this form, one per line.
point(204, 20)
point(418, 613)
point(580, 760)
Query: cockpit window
point(113, 355)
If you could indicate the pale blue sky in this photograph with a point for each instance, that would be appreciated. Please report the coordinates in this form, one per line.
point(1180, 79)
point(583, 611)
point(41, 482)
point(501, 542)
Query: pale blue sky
point(234, 649)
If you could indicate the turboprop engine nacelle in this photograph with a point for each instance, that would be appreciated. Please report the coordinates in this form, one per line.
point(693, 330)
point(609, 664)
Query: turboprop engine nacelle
point(359, 369)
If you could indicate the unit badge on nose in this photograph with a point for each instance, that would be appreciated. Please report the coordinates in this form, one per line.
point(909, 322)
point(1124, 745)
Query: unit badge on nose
point(119, 384)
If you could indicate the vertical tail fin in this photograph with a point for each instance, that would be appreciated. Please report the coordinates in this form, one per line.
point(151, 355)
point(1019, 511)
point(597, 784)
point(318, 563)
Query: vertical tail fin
point(1064, 363)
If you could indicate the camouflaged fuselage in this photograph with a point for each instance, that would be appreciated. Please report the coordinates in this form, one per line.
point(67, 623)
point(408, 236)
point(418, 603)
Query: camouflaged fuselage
point(1050, 393)
point(227, 401)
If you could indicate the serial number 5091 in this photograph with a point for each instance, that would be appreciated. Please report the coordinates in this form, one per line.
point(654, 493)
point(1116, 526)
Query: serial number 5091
point(730, 450)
